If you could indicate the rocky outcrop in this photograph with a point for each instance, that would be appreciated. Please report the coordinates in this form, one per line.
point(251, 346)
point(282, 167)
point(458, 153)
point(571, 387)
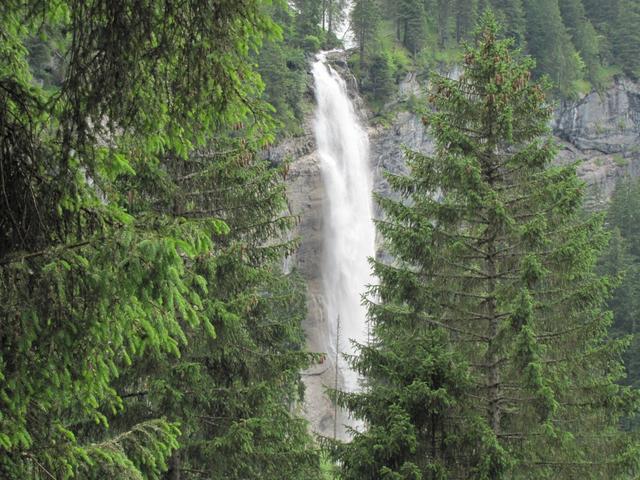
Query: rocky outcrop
point(387, 144)
point(305, 194)
point(601, 133)
point(608, 122)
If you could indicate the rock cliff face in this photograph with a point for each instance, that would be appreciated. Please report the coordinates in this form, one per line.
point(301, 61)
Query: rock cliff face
point(305, 196)
point(601, 132)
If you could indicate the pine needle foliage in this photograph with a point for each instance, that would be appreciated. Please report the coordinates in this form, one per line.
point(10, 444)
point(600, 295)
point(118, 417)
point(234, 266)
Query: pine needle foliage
point(128, 196)
point(491, 356)
point(622, 260)
point(235, 386)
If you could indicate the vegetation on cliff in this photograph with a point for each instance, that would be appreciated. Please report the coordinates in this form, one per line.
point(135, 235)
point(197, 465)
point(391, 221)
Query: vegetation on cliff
point(578, 44)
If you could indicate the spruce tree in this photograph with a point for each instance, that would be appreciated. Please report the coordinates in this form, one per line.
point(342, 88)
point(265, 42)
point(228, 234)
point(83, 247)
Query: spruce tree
point(309, 16)
point(511, 15)
point(583, 35)
point(602, 15)
point(549, 42)
point(466, 13)
point(626, 37)
point(624, 212)
point(443, 17)
point(365, 21)
point(622, 259)
point(617, 261)
point(490, 355)
point(123, 245)
point(283, 68)
point(236, 384)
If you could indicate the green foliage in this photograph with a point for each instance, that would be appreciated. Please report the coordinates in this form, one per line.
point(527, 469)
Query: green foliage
point(316, 22)
point(309, 17)
point(379, 63)
point(412, 24)
point(365, 23)
point(465, 13)
point(583, 35)
point(549, 42)
point(511, 14)
point(491, 356)
point(622, 260)
point(622, 213)
point(626, 38)
point(311, 43)
point(138, 228)
point(233, 392)
point(576, 43)
point(283, 68)
point(381, 72)
point(379, 84)
point(602, 16)
point(333, 12)
point(130, 455)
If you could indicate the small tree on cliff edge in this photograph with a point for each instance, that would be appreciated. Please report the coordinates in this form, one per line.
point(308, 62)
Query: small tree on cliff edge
point(491, 357)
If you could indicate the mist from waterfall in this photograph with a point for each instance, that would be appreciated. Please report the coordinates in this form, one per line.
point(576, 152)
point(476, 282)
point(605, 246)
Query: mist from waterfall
point(349, 232)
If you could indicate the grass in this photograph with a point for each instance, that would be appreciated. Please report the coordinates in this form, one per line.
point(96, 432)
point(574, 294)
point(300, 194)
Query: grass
point(581, 88)
point(327, 467)
point(603, 76)
point(620, 161)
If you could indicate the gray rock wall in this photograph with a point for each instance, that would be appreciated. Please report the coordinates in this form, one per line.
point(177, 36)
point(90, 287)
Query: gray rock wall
point(305, 193)
point(601, 132)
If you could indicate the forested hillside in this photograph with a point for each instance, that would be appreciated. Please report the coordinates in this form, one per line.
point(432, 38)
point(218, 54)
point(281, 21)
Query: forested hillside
point(578, 44)
point(148, 328)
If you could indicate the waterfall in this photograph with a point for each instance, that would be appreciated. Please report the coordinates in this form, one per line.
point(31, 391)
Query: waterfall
point(349, 233)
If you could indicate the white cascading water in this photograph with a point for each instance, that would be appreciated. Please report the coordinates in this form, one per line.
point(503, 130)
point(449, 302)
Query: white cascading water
point(349, 232)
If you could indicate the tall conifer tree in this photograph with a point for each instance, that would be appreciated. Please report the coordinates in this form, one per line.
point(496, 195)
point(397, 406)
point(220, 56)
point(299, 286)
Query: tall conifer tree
point(466, 13)
point(511, 14)
point(137, 226)
point(490, 356)
point(626, 37)
point(365, 20)
point(583, 35)
point(622, 259)
point(550, 43)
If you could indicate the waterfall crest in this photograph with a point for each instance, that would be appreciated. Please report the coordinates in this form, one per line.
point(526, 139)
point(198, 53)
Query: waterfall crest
point(349, 232)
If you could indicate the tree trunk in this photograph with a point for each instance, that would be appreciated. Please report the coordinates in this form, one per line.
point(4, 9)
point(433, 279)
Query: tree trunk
point(406, 24)
point(493, 375)
point(174, 467)
point(491, 358)
point(324, 14)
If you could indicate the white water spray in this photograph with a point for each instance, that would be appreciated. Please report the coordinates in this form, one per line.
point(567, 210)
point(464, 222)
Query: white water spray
point(349, 232)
